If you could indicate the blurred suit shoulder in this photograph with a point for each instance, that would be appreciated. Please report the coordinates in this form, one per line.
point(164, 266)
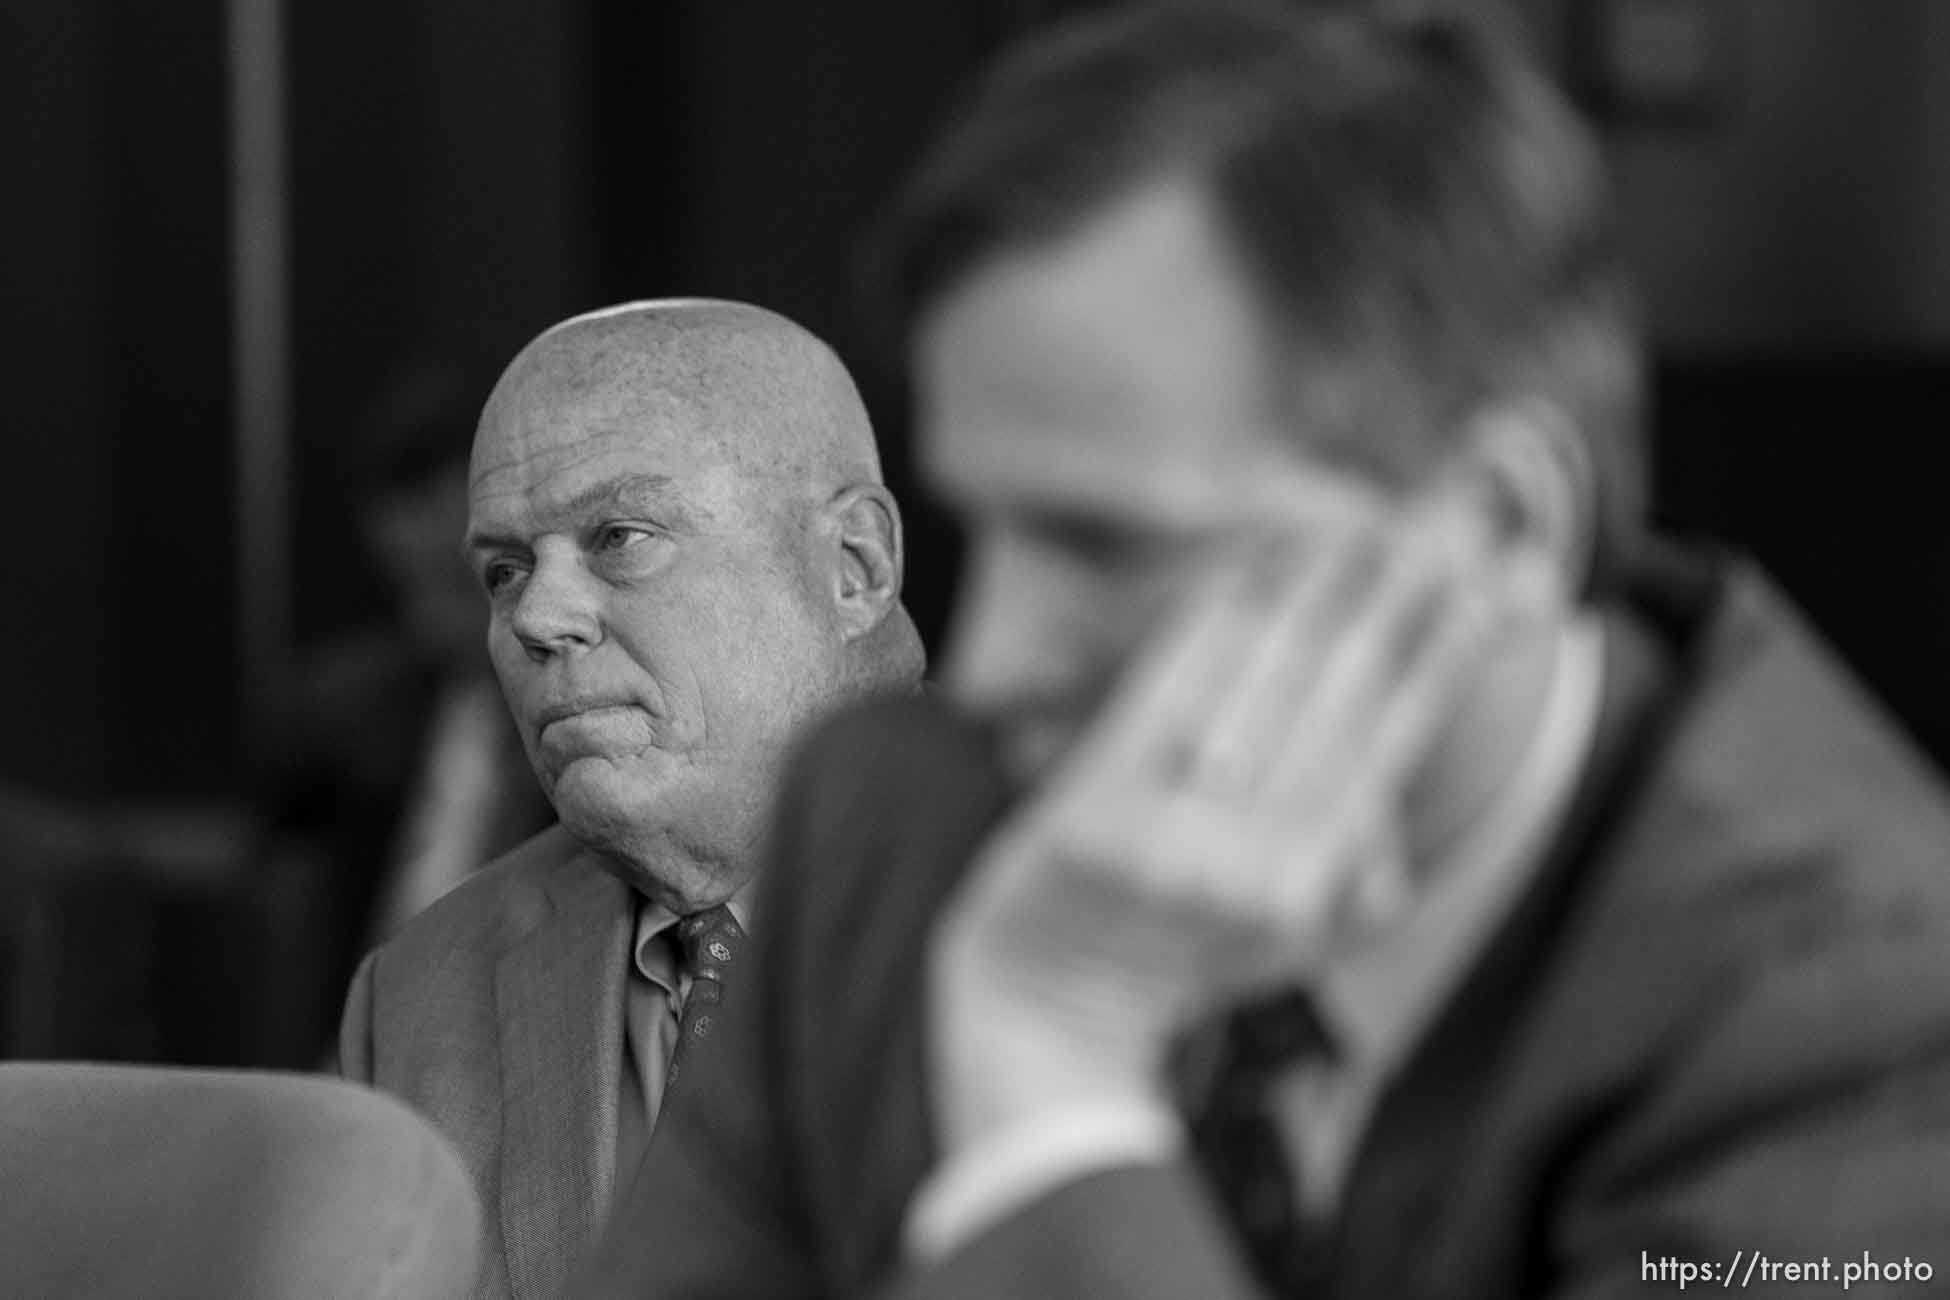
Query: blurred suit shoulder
point(902, 781)
point(878, 773)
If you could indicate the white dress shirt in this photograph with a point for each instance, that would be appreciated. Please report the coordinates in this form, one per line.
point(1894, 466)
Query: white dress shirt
point(1376, 1002)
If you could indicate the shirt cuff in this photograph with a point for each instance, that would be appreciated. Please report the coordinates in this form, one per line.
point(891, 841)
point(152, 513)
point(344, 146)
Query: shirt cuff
point(987, 1181)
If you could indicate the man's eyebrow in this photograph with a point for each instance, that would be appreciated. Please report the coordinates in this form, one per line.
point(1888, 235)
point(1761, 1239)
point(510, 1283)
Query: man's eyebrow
point(481, 540)
point(627, 492)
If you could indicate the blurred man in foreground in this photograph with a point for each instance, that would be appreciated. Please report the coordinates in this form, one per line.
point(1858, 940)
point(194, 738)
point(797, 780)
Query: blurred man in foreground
point(1371, 866)
point(676, 512)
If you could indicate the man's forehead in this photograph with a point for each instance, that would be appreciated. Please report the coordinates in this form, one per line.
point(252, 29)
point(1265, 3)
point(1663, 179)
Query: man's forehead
point(543, 429)
point(576, 413)
point(585, 380)
point(767, 396)
point(627, 371)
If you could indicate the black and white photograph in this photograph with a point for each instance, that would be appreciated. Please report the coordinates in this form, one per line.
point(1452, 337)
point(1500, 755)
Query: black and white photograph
point(975, 649)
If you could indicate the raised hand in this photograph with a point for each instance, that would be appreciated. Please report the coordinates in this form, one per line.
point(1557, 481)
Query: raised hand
point(1230, 820)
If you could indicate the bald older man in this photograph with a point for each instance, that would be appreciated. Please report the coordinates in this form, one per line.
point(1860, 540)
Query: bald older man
point(677, 514)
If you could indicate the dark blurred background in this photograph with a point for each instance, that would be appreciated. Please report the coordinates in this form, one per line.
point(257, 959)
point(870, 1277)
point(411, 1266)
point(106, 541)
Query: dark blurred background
point(449, 176)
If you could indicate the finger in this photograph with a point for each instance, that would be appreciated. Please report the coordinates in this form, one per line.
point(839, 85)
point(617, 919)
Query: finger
point(1368, 655)
point(1336, 877)
point(1378, 888)
point(1307, 596)
point(1169, 684)
point(1206, 695)
point(1343, 892)
point(1380, 755)
point(1195, 856)
point(1303, 880)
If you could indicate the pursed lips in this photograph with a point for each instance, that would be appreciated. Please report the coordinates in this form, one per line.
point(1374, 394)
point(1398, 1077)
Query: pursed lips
point(553, 713)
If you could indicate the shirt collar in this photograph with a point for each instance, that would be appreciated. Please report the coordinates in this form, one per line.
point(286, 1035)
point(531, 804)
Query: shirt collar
point(655, 961)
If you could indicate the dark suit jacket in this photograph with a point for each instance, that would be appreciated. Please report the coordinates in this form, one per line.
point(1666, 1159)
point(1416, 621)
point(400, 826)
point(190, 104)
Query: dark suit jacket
point(498, 1014)
point(1718, 1022)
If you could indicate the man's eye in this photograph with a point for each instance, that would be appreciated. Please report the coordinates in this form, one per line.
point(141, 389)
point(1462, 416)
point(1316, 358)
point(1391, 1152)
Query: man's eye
point(498, 575)
point(617, 537)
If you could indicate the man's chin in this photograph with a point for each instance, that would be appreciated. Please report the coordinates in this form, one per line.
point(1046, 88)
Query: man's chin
point(631, 833)
point(600, 801)
point(599, 787)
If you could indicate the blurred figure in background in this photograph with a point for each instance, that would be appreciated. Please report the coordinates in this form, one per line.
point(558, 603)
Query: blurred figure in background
point(1360, 862)
point(676, 511)
point(400, 761)
point(394, 773)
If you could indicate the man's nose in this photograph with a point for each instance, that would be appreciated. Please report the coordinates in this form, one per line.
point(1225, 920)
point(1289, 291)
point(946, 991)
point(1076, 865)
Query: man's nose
point(559, 609)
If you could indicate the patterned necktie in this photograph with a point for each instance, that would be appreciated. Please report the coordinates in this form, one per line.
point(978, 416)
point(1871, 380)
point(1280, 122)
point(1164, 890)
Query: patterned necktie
point(707, 942)
point(1237, 1140)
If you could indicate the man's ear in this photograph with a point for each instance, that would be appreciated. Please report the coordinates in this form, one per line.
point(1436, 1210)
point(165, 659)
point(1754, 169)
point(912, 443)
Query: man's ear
point(1536, 474)
point(865, 523)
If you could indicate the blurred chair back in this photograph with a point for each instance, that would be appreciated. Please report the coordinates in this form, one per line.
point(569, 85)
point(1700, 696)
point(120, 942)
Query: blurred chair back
point(135, 1182)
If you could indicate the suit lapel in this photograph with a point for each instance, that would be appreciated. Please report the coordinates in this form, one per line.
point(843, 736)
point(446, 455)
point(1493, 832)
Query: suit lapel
point(559, 1001)
point(1420, 1146)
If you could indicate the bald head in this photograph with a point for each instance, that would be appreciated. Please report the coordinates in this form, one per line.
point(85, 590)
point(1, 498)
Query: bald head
point(762, 393)
point(677, 512)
